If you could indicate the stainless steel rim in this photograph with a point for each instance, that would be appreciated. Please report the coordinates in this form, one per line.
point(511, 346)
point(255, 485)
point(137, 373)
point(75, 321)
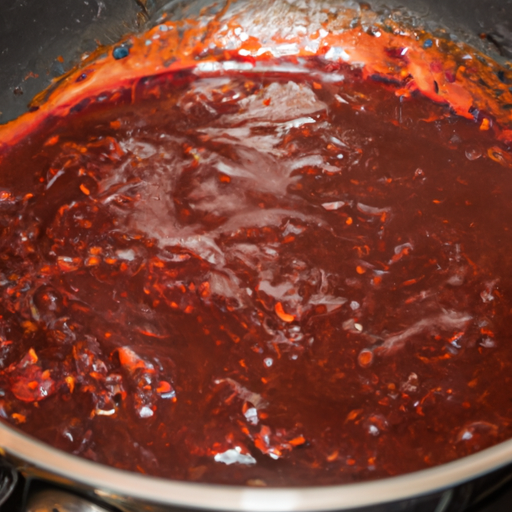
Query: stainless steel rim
point(108, 481)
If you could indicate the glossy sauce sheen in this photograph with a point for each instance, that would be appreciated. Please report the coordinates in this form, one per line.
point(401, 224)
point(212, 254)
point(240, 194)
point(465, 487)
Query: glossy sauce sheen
point(281, 278)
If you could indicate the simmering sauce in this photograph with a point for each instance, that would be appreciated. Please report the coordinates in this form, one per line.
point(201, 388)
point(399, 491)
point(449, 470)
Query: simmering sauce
point(292, 274)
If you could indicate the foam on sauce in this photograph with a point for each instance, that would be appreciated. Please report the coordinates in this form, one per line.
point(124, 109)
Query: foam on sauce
point(278, 274)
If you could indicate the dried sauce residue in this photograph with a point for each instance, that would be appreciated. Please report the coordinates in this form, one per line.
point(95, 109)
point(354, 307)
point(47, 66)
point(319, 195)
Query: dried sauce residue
point(239, 255)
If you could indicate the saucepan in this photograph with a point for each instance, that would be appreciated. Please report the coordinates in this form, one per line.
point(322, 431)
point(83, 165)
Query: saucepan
point(41, 40)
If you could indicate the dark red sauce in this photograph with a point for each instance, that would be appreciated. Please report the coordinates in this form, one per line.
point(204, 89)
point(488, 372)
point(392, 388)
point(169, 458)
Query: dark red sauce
point(279, 278)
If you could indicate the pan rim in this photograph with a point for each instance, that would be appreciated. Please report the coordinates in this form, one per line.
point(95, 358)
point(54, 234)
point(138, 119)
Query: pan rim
point(112, 483)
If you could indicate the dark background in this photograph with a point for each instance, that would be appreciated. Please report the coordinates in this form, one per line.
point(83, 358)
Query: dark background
point(47, 37)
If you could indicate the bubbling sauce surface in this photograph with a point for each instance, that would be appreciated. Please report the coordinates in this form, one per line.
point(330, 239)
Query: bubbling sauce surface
point(268, 278)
